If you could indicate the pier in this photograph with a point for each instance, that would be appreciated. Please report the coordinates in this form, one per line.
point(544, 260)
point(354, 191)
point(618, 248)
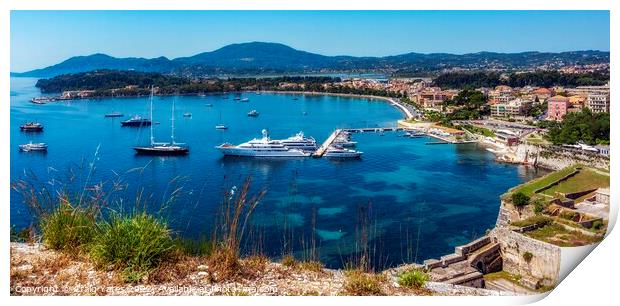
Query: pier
point(321, 150)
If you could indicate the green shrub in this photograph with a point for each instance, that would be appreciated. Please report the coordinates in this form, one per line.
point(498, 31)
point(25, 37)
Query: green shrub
point(597, 225)
point(527, 256)
point(519, 199)
point(68, 228)
point(414, 278)
point(539, 206)
point(135, 243)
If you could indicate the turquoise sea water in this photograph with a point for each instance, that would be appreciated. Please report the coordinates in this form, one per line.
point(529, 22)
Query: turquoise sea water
point(409, 200)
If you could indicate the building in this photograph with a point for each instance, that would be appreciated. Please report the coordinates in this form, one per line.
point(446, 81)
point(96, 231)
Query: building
point(516, 107)
point(542, 94)
point(507, 139)
point(557, 107)
point(598, 102)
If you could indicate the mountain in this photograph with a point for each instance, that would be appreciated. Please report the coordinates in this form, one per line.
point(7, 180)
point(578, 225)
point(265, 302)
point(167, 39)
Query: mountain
point(261, 57)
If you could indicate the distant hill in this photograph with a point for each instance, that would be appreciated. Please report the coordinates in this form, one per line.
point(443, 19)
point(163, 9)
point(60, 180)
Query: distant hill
point(261, 57)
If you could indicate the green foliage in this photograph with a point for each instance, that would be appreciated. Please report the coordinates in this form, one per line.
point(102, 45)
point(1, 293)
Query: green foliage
point(538, 78)
point(597, 225)
point(539, 220)
point(136, 244)
point(527, 256)
point(584, 126)
point(413, 278)
point(539, 206)
point(519, 199)
point(479, 130)
point(68, 228)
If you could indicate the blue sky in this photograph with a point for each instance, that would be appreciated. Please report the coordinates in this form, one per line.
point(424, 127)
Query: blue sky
point(43, 38)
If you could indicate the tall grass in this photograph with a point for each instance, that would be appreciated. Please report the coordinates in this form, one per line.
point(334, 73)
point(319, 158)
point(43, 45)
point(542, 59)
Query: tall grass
point(236, 211)
point(68, 228)
point(134, 243)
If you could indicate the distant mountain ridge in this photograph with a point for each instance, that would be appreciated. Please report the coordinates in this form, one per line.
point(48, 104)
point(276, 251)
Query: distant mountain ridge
point(262, 57)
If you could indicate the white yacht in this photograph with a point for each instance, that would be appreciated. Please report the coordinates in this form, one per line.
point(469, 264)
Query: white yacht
point(33, 147)
point(264, 147)
point(300, 142)
point(340, 152)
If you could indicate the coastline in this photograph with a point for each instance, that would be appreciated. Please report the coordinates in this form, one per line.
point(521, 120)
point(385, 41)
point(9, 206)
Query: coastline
point(393, 101)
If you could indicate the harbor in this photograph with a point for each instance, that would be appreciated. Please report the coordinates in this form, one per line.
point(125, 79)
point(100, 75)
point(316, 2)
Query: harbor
point(333, 185)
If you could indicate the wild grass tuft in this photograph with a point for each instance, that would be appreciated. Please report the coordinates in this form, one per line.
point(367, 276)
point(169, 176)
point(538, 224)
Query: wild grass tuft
point(360, 283)
point(413, 278)
point(68, 228)
point(289, 261)
point(134, 243)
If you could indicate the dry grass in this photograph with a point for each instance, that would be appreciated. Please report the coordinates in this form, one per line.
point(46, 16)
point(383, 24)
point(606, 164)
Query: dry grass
point(360, 283)
point(311, 265)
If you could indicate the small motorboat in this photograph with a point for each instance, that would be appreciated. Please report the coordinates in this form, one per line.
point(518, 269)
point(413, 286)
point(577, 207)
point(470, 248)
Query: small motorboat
point(33, 147)
point(253, 113)
point(245, 100)
point(113, 114)
point(187, 115)
point(136, 121)
point(209, 105)
point(340, 152)
point(31, 127)
point(221, 127)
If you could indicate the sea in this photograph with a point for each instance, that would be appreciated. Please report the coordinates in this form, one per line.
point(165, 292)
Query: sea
point(404, 201)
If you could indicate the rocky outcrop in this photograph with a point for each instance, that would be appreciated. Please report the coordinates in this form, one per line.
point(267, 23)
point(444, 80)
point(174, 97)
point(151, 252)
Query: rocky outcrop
point(554, 157)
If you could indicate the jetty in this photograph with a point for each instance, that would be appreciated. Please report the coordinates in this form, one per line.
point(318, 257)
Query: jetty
point(321, 150)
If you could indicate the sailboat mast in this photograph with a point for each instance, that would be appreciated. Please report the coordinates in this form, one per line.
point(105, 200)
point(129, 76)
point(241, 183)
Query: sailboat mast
point(172, 133)
point(152, 139)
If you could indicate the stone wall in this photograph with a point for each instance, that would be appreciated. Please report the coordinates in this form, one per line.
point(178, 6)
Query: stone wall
point(556, 158)
point(544, 266)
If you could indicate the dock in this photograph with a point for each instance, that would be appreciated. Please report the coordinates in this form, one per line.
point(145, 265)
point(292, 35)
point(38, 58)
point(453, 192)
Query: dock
point(321, 150)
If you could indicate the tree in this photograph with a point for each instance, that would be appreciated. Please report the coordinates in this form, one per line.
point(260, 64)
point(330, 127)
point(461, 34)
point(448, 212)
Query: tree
point(519, 199)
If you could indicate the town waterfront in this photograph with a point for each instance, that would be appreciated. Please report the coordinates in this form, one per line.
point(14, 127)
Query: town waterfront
point(419, 201)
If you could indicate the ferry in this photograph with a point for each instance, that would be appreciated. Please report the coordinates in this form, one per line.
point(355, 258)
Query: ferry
point(264, 147)
point(300, 142)
point(253, 113)
point(340, 152)
point(31, 127)
point(136, 121)
point(33, 147)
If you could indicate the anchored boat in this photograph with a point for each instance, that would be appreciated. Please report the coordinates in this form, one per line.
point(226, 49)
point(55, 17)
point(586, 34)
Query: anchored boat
point(33, 147)
point(136, 121)
point(264, 147)
point(162, 148)
point(31, 127)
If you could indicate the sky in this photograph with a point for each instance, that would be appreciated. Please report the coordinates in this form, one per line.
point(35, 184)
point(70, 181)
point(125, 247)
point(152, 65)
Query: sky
point(44, 38)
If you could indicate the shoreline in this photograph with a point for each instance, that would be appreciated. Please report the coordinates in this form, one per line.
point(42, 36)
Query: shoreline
point(393, 101)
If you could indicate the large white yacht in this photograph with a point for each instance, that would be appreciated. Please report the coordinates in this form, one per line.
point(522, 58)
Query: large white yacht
point(264, 147)
point(299, 141)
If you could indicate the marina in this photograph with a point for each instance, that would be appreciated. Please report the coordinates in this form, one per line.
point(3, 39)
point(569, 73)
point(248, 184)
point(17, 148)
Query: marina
point(334, 186)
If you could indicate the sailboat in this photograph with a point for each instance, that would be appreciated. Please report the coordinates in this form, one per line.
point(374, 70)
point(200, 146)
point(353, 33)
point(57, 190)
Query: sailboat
point(221, 126)
point(163, 148)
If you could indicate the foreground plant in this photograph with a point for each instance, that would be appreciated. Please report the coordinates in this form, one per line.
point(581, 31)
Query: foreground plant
point(358, 282)
point(68, 228)
point(136, 244)
point(413, 278)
